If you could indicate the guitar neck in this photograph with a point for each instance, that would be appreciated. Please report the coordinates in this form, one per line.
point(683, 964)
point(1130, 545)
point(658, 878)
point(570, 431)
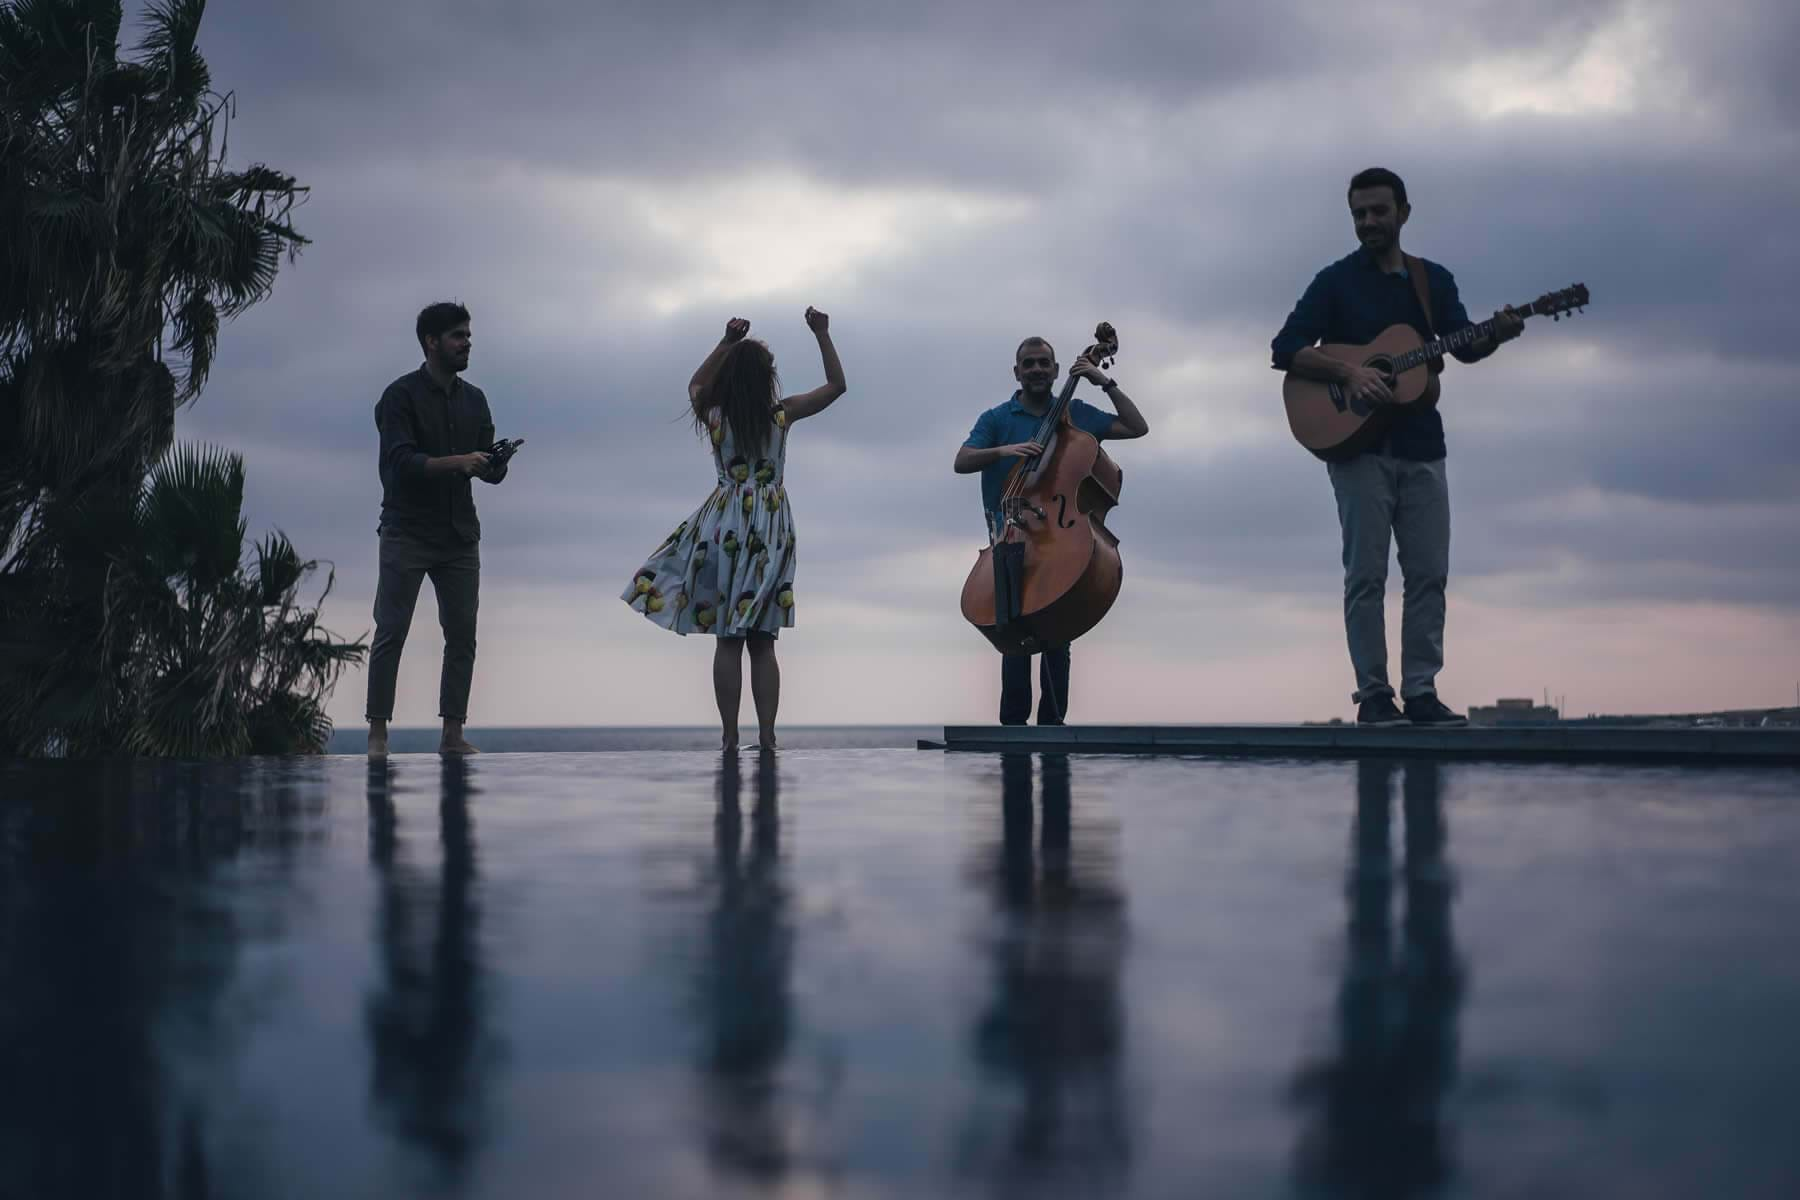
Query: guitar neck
point(1439, 347)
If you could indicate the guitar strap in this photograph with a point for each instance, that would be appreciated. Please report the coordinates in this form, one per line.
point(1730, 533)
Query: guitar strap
point(1415, 270)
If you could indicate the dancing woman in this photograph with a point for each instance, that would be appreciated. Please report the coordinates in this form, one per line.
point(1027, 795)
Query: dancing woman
point(728, 570)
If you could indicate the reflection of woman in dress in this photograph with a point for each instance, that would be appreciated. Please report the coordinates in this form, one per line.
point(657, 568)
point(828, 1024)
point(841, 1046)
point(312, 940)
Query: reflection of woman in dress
point(745, 989)
point(728, 569)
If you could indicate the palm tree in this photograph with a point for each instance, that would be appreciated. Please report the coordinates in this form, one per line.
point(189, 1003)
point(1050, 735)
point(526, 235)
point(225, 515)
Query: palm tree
point(125, 241)
point(221, 659)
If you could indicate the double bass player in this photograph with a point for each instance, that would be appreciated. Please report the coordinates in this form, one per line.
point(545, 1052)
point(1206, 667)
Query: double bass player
point(1002, 437)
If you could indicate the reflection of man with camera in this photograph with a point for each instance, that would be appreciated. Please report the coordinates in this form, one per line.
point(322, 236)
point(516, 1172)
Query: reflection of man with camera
point(436, 434)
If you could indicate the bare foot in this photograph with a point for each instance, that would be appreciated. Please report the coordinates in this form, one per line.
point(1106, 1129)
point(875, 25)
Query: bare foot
point(729, 745)
point(378, 746)
point(766, 742)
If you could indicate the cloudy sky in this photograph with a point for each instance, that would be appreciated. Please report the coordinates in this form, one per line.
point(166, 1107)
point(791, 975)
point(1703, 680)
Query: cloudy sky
point(604, 184)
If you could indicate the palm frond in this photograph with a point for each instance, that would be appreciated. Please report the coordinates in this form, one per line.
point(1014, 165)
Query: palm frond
point(47, 46)
point(191, 522)
point(171, 55)
point(196, 332)
point(278, 570)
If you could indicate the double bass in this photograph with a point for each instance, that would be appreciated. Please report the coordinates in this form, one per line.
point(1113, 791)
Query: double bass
point(1052, 567)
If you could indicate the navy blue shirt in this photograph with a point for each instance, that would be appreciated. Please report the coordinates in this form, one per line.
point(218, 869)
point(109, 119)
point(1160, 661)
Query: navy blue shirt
point(1010, 423)
point(1352, 301)
point(418, 420)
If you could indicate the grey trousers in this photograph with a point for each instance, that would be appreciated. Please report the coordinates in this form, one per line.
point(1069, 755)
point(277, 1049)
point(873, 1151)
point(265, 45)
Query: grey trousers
point(455, 570)
point(1378, 496)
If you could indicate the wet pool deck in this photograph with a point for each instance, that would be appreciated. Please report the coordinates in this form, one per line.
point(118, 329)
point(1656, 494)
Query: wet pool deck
point(1539, 743)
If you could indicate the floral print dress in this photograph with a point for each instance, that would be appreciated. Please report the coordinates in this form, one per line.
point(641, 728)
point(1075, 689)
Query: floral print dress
point(728, 569)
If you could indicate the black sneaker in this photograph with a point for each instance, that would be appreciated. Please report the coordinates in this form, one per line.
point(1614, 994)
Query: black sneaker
point(1379, 710)
point(1429, 710)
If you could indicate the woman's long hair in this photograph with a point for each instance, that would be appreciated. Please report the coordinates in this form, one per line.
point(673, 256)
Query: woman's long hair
point(745, 390)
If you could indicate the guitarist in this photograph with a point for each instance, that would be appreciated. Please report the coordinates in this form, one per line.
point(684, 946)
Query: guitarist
point(1001, 437)
point(1397, 486)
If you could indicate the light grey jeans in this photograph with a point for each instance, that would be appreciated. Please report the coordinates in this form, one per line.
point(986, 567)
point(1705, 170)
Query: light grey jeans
point(1379, 495)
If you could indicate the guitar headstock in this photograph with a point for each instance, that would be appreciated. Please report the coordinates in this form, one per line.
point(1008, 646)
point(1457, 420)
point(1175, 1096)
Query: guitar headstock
point(1554, 305)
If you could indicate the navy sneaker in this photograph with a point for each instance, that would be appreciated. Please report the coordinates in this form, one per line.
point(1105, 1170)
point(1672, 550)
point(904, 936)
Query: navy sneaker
point(1379, 710)
point(1429, 710)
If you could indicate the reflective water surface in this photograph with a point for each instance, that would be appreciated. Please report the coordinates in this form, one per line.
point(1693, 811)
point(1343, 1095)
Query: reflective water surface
point(891, 973)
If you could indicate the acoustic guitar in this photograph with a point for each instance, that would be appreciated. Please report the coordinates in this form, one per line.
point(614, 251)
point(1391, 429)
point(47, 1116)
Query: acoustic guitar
point(1335, 427)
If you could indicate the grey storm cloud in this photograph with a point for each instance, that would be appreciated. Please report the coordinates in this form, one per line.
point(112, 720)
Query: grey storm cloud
point(863, 90)
point(1177, 168)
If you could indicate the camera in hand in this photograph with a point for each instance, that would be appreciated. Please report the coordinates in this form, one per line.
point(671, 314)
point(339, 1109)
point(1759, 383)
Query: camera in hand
point(500, 451)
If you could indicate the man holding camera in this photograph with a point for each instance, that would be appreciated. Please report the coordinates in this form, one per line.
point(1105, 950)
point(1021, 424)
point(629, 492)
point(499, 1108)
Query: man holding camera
point(436, 435)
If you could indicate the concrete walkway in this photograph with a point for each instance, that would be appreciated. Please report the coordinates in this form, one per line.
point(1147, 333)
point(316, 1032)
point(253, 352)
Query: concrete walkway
point(1547, 743)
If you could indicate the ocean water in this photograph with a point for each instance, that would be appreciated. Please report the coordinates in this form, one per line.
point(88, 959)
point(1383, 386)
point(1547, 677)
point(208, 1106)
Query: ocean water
point(885, 973)
point(353, 739)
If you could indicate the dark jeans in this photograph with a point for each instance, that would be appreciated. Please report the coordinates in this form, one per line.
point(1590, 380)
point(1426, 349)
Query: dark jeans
point(1053, 687)
point(455, 570)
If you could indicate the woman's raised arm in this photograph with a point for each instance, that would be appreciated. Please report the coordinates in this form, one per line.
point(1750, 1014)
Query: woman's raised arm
point(819, 399)
point(735, 329)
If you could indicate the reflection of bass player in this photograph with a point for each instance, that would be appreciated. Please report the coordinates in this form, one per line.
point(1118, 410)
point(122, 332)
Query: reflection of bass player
point(1395, 488)
point(1004, 435)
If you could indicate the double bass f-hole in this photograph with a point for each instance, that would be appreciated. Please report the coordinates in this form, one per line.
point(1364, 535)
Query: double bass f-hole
point(1062, 512)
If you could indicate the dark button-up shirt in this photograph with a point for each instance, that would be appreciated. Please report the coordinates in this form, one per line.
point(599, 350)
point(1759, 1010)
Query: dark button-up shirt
point(1011, 423)
point(1352, 301)
point(418, 420)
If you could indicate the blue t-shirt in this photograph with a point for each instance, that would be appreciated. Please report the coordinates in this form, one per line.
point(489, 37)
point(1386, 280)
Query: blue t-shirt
point(1010, 423)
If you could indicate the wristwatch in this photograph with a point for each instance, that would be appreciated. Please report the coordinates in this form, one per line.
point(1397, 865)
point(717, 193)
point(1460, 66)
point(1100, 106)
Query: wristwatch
point(1109, 385)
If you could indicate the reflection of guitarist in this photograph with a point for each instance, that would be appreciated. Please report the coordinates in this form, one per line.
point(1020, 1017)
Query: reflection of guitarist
point(1397, 486)
point(1381, 1122)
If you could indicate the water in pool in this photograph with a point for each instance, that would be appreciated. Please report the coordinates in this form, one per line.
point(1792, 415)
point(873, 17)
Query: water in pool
point(884, 973)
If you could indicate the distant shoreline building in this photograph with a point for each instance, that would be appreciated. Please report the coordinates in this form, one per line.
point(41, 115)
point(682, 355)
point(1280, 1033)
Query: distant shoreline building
point(1529, 712)
point(1733, 718)
point(1514, 712)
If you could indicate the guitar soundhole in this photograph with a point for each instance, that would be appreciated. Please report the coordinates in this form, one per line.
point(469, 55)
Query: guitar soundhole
point(1385, 365)
point(1336, 391)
